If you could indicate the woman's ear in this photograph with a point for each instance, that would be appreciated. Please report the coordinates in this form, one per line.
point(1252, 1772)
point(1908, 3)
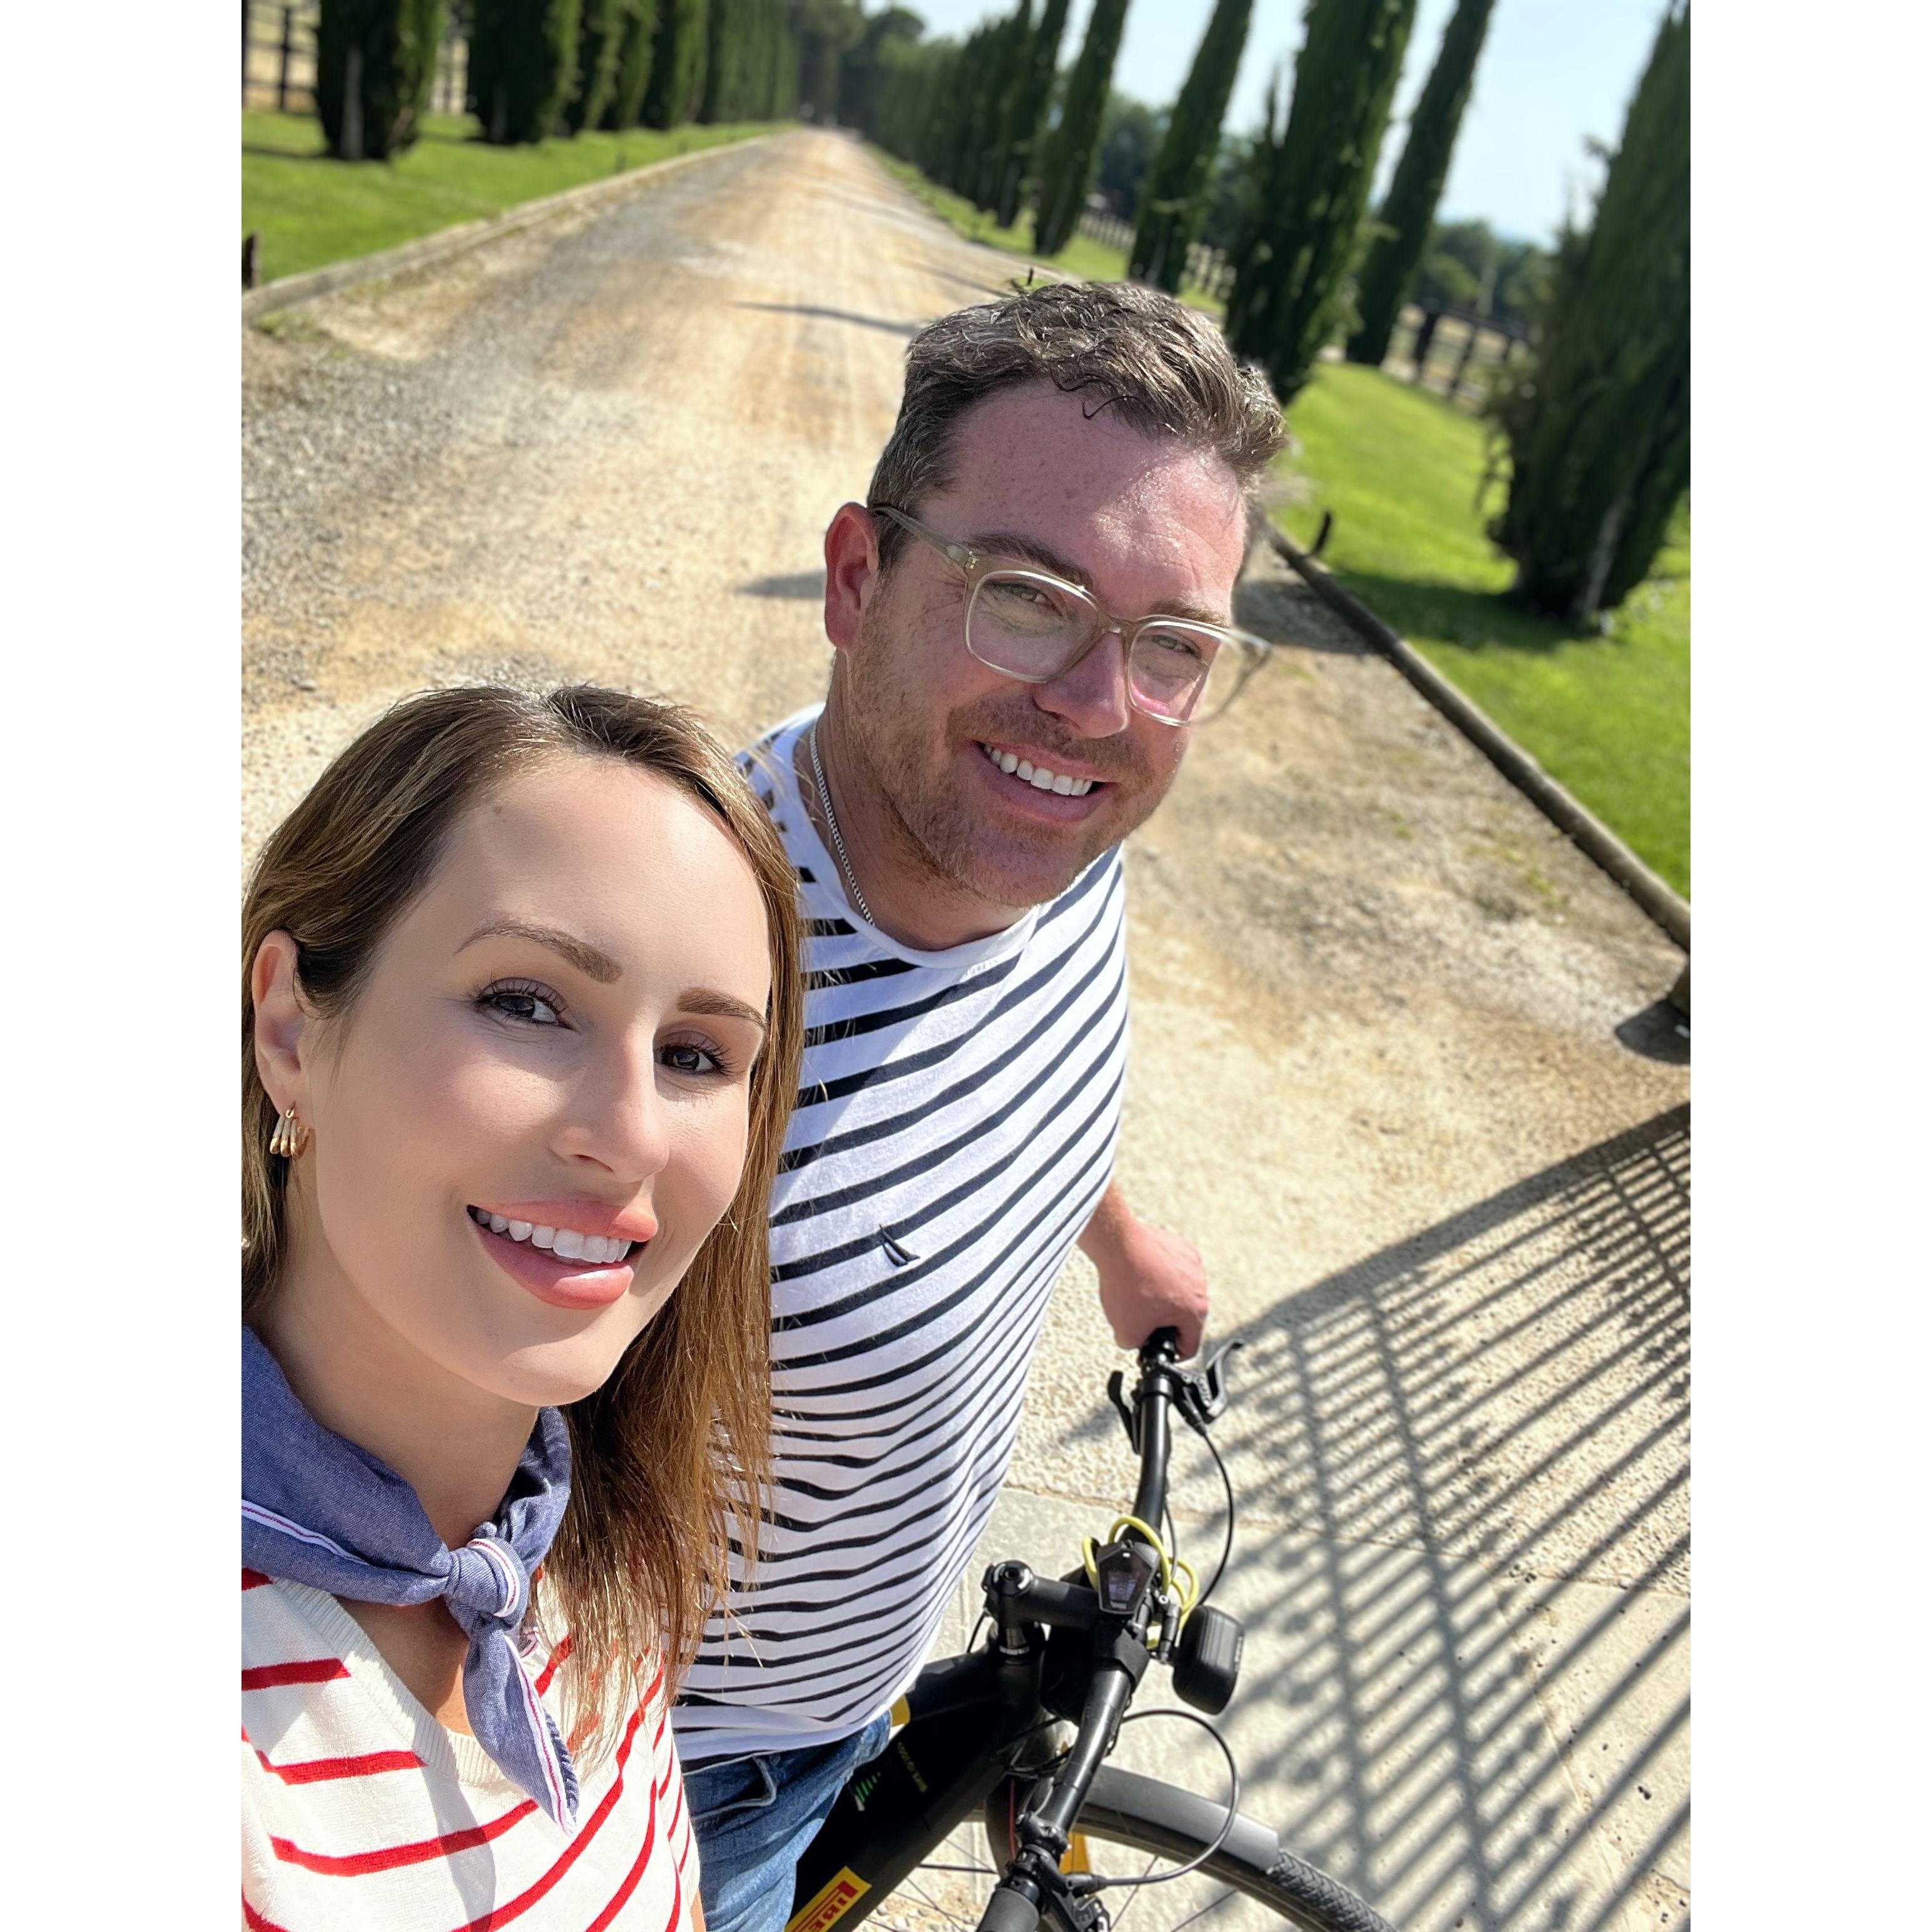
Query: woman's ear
point(281, 1023)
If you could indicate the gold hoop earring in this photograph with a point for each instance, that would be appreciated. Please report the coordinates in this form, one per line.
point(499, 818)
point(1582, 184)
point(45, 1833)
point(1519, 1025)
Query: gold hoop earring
point(289, 1137)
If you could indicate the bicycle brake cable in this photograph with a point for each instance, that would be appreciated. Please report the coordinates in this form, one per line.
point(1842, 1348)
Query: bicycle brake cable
point(1093, 1882)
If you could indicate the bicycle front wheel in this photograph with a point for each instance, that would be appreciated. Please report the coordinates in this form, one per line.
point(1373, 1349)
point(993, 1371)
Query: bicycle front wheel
point(1142, 1814)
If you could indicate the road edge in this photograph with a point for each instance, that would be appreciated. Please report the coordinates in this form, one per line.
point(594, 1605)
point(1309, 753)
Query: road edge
point(427, 249)
point(1574, 820)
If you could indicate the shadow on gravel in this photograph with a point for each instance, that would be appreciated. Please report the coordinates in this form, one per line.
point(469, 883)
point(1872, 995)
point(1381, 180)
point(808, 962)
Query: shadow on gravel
point(802, 584)
point(1287, 613)
point(905, 328)
point(1660, 1032)
point(1480, 1576)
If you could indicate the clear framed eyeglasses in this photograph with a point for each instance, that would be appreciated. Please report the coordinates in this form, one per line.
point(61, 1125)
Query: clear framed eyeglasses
point(1030, 624)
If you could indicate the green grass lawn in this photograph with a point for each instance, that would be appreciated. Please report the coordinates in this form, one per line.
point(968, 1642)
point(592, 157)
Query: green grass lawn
point(1083, 258)
point(1608, 715)
point(310, 210)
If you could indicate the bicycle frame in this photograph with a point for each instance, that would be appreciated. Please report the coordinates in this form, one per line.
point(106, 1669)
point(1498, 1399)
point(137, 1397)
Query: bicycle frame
point(974, 1722)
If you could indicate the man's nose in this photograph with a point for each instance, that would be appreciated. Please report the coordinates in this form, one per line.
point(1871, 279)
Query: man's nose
point(1091, 695)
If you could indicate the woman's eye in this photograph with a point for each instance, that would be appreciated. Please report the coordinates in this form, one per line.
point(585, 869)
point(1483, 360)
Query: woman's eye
point(523, 1004)
point(695, 1061)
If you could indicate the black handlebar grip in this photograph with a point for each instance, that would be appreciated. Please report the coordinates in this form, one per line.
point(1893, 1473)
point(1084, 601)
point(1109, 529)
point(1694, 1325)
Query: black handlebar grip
point(1164, 1344)
point(1009, 1910)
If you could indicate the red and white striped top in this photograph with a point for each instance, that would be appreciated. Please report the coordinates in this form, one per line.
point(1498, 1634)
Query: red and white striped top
point(360, 1811)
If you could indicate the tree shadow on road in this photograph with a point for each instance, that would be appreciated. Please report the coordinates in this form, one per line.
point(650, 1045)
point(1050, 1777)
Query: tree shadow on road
point(905, 328)
point(805, 585)
point(1476, 1556)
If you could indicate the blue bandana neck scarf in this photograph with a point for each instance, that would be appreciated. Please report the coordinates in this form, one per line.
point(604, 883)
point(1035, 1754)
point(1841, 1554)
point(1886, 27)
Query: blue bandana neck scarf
point(317, 1509)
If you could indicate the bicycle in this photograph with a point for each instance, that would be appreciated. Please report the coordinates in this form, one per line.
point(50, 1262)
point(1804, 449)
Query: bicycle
point(1015, 1733)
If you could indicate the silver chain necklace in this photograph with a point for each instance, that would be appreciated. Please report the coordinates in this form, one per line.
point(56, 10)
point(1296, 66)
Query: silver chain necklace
point(832, 822)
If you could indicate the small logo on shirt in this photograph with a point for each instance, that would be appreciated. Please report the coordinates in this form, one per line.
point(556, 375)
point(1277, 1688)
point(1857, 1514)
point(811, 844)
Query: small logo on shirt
point(896, 1252)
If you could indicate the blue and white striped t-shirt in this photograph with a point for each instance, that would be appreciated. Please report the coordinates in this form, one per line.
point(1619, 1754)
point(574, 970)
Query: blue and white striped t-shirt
point(955, 1131)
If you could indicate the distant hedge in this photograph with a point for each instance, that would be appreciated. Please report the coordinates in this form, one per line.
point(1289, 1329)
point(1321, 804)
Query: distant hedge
point(523, 66)
point(391, 46)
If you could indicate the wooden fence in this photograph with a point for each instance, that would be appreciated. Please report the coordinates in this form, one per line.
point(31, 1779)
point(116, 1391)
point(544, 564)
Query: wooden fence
point(1207, 269)
point(1453, 351)
point(278, 60)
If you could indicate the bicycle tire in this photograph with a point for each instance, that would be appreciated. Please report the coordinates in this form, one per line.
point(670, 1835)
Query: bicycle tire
point(1144, 1814)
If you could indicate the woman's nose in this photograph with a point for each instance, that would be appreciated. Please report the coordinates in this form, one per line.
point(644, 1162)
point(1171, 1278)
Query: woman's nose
point(621, 1121)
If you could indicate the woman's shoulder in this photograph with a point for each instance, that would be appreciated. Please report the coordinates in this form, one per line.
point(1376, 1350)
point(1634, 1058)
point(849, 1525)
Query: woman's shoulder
point(343, 1781)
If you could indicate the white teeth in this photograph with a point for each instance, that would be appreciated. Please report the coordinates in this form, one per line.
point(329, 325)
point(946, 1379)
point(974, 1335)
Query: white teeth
point(567, 1243)
point(1038, 776)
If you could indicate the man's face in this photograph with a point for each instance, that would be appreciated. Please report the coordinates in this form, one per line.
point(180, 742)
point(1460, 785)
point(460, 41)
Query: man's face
point(1145, 524)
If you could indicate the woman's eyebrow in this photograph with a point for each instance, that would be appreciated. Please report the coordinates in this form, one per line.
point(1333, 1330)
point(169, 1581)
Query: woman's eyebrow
point(589, 960)
point(702, 1000)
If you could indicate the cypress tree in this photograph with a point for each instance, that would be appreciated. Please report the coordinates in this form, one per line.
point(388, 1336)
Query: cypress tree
point(1314, 183)
point(1073, 148)
point(523, 64)
point(1020, 137)
point(729, 34)
point(969, 80)
point(638, 33)
point(599, 38)
point(391, 45)
point(1409, 212)
point(1011, 40)
point(1176, 187)
point(677, 83)
point(1599, 427)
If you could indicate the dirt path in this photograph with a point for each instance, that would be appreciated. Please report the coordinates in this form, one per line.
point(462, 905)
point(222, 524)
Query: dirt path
point(1397, 1066)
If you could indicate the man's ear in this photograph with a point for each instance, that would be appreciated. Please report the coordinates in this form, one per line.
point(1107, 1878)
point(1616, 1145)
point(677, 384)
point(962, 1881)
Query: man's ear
point(851, 571)
point(282, 1022)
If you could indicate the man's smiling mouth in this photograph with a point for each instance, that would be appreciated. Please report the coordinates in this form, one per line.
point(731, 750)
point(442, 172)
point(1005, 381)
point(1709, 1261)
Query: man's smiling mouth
point(567, 1244)
point(1042, 777)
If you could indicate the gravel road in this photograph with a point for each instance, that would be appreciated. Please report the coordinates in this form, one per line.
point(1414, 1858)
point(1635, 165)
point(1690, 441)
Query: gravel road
point(1399, 1065)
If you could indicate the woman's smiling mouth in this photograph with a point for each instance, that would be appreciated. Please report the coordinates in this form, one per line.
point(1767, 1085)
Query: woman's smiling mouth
point(566, 1267)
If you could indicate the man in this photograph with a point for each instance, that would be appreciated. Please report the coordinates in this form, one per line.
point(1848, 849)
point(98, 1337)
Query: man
point(1067, 464)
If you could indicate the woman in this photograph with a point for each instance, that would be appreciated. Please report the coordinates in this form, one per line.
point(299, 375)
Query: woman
point(520, 1030)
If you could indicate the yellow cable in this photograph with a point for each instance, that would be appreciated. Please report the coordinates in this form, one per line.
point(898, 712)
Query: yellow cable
point(1188, 1594)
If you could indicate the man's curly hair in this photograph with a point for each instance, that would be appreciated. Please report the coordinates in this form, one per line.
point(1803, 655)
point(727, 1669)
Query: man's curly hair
point(1161, 366)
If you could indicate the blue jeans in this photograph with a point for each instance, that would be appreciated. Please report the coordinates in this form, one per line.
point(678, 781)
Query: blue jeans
point(754, 1817)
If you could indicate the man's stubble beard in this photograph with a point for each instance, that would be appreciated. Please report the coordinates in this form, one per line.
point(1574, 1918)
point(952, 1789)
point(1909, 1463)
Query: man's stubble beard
point(928, 815)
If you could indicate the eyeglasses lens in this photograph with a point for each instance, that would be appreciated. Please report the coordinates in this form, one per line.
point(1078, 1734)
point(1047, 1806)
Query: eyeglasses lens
point(1031, 627)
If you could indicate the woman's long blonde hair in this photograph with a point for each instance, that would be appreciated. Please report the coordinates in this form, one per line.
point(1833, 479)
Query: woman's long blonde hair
point(673, 1452)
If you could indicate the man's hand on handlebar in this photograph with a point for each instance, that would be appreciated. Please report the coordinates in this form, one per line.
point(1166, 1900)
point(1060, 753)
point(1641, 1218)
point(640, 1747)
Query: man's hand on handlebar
point(1149, 1279)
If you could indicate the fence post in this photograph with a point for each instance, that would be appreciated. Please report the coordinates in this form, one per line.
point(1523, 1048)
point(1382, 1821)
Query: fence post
point(1468, 356)
point(288, 51)
point(1425, 340)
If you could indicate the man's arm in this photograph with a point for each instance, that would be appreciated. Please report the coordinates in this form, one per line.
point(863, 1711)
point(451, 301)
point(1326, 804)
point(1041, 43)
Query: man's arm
point(1149, 1279)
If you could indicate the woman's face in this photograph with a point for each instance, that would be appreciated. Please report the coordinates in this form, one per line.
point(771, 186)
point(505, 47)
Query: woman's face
point(536, 1110)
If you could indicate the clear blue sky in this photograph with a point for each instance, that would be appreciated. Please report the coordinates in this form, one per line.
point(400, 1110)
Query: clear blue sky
point(1552, 72)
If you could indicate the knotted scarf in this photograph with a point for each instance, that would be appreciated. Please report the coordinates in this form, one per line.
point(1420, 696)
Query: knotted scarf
point(317, 1509)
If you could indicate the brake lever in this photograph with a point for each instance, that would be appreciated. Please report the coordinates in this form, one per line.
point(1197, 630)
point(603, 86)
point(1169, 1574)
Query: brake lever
point(1204, 1393)
point(1117, 1387)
